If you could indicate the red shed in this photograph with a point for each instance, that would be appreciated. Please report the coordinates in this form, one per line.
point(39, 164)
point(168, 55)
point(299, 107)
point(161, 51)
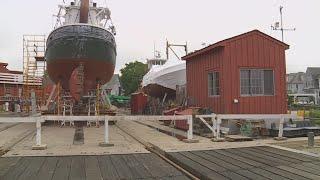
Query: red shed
point(245, 74)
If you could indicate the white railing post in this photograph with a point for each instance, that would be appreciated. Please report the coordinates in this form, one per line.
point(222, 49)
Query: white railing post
point(218, 128)
point(38, 145)
point(106, 130)
point(190, 130)
point(281, 122)
point(106, 142)
point(214, 124)
point(38, 134)
point(190, 138)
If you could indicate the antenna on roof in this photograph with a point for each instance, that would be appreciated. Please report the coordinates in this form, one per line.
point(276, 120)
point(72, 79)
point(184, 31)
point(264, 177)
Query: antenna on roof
point(279, 26)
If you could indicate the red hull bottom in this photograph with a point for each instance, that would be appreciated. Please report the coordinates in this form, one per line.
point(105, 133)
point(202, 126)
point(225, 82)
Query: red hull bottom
point(80, 83)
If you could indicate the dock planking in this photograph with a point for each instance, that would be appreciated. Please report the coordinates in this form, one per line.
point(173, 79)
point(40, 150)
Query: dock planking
point(126, 166)
point(261, 162)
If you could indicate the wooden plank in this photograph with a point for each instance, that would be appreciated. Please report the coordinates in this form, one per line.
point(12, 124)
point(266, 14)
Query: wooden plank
point(250, 175)
point(267, 174)
point(92, 169)
point(77, 170)
point(121, 167)
point(156, 166)
point(232, 138)
point(248, 156)
point(136, 167)
point(284, 173)
point(31, 171)
point(311, 165)
point(195, 168)
point(233, 175)
point(204, 160)
point(174, 178)
point(15, 171)
point(63, 167)
point(7, 163)
point(240, 164)
point(305, 168)
point(274, 155)
point(107, 169)
point(48, 168)
point(265, 157)
point(301, 157)
point(299, 172)
point(219, 162)
point(239, 158)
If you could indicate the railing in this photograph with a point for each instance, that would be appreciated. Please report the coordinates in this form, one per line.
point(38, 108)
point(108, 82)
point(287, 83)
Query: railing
point(9, 78)
point(39, 119)
point(217, 118)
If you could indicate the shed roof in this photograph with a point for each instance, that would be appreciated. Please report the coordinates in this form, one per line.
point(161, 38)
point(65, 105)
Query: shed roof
point(223, 42)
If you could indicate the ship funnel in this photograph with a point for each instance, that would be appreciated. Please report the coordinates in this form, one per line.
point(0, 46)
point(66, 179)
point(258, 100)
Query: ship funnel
point(84, 11)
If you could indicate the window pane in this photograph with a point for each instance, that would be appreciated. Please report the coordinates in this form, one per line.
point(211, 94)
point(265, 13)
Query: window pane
point(210, 84)
point(256, 82)
point(213, 84)
point(268, 82)
point(245, 82)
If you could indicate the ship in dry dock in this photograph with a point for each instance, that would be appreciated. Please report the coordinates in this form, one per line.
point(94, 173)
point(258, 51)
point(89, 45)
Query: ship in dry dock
point(81, 50)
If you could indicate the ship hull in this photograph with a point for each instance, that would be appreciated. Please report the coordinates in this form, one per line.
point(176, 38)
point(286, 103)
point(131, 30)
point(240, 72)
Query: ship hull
point(91, 47)
point(165, 79)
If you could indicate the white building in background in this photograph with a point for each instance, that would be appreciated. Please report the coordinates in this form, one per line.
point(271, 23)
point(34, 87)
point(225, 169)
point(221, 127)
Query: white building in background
point(296, 82)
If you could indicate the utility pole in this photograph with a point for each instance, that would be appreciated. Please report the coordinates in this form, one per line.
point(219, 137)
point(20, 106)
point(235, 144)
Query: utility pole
point(279, 26)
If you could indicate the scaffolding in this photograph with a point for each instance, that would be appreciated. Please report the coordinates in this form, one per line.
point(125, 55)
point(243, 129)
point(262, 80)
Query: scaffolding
point(34, 68)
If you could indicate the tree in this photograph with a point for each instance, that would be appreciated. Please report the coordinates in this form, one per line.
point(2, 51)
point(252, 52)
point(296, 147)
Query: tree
point(132, 75)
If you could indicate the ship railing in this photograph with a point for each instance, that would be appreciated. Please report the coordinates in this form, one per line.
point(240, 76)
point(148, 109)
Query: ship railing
point(217, 120)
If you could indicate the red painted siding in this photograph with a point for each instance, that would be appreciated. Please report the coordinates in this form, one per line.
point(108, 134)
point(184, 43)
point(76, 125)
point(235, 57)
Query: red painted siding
point(252, 50)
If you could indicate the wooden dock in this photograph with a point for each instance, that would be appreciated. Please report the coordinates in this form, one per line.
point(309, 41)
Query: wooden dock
point(129, 166)
point(248, 163)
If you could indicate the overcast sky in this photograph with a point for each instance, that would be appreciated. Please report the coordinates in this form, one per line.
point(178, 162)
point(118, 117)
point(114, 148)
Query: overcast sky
point(140, 23)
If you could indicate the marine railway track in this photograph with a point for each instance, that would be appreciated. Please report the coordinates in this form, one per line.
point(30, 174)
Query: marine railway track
point(260, 162)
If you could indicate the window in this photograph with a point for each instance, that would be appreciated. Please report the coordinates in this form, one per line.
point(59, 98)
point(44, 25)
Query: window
point(255, 82)
point(213, 84)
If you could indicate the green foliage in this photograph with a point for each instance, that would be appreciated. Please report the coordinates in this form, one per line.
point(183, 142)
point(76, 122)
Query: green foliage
point(314, 113)
point(131, 76)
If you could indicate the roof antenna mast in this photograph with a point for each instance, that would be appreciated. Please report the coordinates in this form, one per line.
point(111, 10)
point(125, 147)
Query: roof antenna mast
point(279, 26)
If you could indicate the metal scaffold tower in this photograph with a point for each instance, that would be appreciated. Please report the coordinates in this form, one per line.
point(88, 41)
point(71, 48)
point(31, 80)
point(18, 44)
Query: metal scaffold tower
point(34, 68)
